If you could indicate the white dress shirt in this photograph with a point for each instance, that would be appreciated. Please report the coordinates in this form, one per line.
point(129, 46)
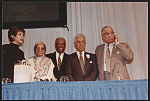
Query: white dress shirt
point(110, 49)
point(78, 53)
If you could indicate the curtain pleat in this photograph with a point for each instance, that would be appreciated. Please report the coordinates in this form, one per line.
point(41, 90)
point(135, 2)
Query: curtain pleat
point(79, 90)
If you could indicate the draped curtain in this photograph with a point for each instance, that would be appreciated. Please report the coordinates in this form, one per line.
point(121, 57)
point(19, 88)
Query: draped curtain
point(77, 90)
point(128, 19)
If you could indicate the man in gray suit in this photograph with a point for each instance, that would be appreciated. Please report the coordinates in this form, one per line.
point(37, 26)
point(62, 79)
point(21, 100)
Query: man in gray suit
point(81, 65)
point(114, 68)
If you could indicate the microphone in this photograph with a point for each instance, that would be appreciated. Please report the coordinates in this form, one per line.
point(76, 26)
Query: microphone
point(64, 78)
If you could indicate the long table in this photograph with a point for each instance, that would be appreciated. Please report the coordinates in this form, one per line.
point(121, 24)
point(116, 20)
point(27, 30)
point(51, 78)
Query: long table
point(77, 90)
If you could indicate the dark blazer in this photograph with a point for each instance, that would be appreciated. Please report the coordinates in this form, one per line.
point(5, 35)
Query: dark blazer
point(74, 70)
point(11, 55)
point(121, 55)
point(61, 72)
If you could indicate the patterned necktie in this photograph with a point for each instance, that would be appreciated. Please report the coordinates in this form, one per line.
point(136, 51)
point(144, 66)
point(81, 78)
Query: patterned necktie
point(82, 63)
point(107, 59)
point(59, 62)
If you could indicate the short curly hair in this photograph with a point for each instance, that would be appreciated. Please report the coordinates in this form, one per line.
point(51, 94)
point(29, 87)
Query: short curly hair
point(13, 31)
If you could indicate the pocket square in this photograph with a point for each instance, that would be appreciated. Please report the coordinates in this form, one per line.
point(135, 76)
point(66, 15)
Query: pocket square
point(90, 62)
point(118, 52)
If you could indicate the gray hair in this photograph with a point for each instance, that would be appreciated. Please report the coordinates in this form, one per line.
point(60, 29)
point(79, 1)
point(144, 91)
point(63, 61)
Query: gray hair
point(75, 38)
point(39, 43)
point(105, 27)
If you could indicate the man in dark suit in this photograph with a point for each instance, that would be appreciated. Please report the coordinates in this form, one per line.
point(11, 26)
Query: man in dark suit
point(59, 58)
point(81, 65)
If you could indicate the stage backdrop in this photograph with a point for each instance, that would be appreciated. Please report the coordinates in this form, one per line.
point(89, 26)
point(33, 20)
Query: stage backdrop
point(128, 19)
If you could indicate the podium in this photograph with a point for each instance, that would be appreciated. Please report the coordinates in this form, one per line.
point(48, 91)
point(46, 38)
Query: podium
point(22, 73)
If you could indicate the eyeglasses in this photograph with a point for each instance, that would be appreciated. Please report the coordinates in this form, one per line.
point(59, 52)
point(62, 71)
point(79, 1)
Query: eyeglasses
point(107, 33)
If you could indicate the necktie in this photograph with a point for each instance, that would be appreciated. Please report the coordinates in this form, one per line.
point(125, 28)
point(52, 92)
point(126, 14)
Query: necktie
point(59, 62)
point(82, 62)
point(107, 59)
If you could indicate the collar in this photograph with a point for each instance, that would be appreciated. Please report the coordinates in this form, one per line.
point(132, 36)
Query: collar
point(78, 53)
point(15, 45)
point(57, 54)
point(38, 58)
point(110, 45)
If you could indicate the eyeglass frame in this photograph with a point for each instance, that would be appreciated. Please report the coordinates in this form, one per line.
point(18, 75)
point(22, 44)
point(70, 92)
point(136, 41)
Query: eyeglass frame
point(107, 33)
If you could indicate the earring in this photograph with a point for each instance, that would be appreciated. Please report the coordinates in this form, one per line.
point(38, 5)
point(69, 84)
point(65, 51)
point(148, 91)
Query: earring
point(13, 39)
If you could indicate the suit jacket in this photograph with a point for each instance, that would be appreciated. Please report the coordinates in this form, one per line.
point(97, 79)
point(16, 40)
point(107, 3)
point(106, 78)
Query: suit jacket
point(61, 72)
point(120, 55)
point(74, 70)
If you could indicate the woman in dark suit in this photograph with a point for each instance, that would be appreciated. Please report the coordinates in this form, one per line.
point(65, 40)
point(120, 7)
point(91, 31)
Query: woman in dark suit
point(11, 52)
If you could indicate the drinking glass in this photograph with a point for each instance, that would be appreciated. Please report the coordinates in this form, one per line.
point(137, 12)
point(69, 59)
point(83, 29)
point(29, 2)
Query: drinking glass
point(6, 80)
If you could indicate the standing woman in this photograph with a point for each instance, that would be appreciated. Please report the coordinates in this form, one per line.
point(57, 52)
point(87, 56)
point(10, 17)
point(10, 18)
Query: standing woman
point(11, 52)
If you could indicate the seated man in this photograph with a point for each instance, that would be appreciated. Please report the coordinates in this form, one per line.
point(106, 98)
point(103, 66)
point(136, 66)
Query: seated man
point(81, 65)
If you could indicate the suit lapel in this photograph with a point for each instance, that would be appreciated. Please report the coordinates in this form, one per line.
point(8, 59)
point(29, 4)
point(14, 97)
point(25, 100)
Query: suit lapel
point(55, 61)
point(101, 58)
point(113, 58)
point(63, 61)
point(76, 60)
point(86, 61)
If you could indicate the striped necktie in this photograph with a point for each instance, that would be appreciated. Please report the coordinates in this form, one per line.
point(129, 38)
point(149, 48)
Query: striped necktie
point(59, 62)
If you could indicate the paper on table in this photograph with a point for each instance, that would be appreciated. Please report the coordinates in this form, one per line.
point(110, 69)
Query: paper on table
point(22, 73)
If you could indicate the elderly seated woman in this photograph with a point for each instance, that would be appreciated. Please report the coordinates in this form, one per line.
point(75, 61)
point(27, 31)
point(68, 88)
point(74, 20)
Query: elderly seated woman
point(41, 66)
